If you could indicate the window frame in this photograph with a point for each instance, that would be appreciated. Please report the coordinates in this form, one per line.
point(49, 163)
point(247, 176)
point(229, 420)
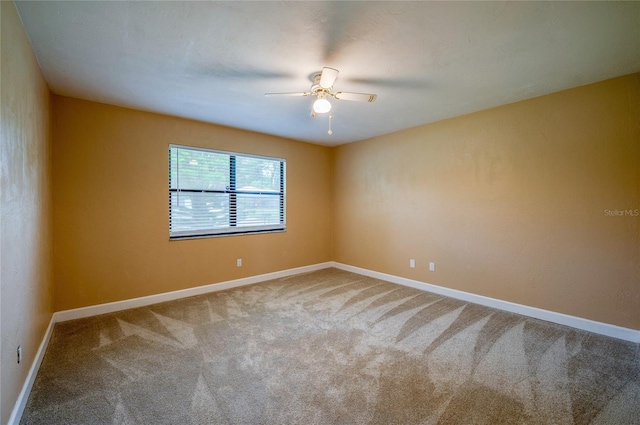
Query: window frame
point(232, 229)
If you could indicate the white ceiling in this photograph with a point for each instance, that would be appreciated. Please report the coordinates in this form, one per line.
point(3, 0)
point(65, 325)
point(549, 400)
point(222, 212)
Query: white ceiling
point(213, 61)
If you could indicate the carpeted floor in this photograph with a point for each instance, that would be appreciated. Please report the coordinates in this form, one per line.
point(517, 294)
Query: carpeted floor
point(331, 347)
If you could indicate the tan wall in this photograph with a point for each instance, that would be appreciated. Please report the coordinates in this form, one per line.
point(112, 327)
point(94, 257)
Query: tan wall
point(110, 210)
point(25, 208)
point(509, 202)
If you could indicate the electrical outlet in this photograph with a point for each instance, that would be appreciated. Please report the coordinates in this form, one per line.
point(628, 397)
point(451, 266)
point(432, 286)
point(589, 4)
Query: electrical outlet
point(432, 267)
point(412, 263)
point(239, 262)
point(19, 353)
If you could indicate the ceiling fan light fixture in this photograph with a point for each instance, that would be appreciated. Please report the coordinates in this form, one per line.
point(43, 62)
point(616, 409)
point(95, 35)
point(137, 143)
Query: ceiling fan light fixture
point(321, 105)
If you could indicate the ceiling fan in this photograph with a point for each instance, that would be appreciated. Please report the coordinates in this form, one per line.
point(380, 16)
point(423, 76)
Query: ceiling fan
point(322, 84)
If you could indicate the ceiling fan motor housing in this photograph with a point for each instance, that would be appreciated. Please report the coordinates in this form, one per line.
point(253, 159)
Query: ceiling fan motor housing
point(316, 87)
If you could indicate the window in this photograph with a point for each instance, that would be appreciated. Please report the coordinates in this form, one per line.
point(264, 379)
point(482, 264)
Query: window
point(215, 193)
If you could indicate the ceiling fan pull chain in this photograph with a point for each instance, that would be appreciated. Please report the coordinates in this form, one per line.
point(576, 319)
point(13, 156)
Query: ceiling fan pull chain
point(330, 132)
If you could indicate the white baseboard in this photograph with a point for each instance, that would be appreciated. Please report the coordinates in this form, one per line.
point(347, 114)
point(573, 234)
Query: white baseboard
point(94, 310)
point(614, 331)
point(18, 408)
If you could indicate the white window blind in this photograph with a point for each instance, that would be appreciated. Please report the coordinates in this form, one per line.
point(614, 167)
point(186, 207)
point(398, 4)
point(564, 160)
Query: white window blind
point(215, 193)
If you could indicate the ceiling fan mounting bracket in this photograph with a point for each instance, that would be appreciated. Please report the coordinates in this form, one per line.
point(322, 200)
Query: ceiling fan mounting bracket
point(315, 77)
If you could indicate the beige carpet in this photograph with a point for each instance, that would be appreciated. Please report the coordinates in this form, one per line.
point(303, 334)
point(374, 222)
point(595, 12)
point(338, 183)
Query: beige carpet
point(331, 347)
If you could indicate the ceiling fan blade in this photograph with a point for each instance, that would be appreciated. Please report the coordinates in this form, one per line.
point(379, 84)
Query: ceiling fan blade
point(289, 94)
point(358, 97)
point(328, 77)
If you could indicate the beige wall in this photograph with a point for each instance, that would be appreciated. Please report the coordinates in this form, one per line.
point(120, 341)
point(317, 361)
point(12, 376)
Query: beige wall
point(110, 210)
point(25, 208)
point(509, 202)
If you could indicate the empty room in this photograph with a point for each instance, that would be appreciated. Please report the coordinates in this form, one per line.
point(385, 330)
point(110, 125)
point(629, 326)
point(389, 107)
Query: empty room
point(355, 212)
